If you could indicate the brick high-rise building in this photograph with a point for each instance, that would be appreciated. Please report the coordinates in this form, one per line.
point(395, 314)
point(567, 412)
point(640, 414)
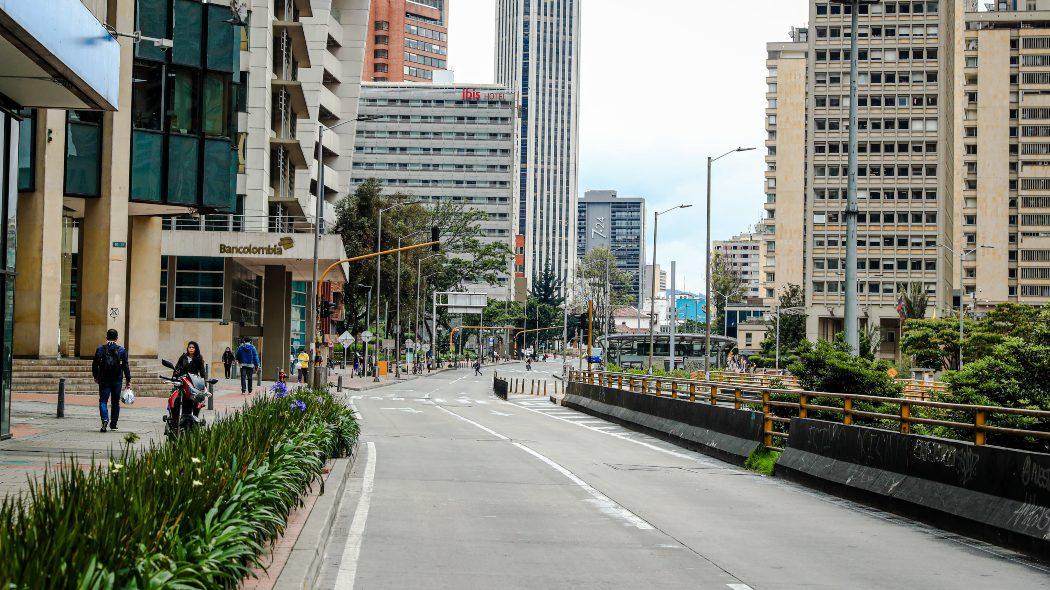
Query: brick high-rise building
point(407, 40)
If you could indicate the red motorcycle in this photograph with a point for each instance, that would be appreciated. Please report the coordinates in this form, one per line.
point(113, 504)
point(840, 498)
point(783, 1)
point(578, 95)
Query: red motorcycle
point(188, 396)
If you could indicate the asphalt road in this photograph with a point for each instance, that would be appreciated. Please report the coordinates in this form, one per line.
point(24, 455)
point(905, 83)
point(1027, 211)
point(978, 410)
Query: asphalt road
point(457, 489)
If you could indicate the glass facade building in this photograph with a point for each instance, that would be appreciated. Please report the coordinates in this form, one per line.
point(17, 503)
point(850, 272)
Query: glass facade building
point(184, 106)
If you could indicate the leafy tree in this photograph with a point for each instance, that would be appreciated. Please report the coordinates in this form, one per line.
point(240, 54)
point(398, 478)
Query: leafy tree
point(600, 281)
point(870, 339)
point(792, 330)
point(915, 301)
point(726, 282)
point(1016, 375)
point(829, 366)
point(548, 287)
point(933, 343)
point(466, 258)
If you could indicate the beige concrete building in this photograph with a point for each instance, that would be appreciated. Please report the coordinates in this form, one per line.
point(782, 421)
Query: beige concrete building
point(185, 214)
point(1003, 154)
point(743, 254)
point(906, 172)
point(783, 231)
point(954, 167)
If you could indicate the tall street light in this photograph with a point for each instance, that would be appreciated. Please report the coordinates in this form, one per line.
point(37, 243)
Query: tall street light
point(652, 291)
point(314, 297)
point(419, 281)
point(368, 309)
point(962, 255)
point(852, 303)
point(379, 269)
point(397, 327)
point(707, 264)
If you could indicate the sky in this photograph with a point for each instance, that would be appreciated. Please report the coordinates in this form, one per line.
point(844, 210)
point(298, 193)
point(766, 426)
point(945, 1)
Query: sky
point(659, 94)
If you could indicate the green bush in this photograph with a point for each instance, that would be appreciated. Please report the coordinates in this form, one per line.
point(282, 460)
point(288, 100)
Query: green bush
point(195, 512)
point(827, 366)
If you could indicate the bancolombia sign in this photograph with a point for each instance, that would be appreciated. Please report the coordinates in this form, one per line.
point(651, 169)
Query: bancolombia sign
point(277, 249)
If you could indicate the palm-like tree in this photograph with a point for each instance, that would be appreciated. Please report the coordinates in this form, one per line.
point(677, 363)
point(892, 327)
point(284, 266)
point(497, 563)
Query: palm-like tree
point(915, 301)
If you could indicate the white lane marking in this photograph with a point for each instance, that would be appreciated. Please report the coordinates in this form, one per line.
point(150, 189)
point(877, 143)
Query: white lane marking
point(469, 421)
point(495, 413)
point(618, 435)
point(405, 410)
point(603, 502)
point(739, 587)
point(352, 551)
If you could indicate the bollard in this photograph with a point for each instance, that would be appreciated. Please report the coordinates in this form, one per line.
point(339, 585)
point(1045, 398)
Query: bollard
point(545, 389)
point(61, 398)
point(211, 387)
point(339, 384)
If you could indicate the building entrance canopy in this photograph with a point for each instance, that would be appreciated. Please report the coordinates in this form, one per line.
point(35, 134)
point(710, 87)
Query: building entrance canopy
point(257, 250)
point(56, 54)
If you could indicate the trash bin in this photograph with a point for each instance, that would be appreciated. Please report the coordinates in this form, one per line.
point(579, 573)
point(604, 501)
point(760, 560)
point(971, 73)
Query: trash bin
point(383, 368)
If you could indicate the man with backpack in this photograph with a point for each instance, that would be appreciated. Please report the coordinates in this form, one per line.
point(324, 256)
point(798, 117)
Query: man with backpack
point(248, 358)
point(110, 370)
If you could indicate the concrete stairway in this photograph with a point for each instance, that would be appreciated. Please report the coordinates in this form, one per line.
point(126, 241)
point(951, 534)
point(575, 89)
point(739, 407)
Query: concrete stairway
point(41, 376)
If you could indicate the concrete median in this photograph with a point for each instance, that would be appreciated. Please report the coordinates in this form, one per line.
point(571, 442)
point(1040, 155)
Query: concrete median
point(726, 433)
point(994, 493)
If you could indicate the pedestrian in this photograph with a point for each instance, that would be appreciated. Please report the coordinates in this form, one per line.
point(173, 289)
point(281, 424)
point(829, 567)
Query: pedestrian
point(357, 364)
point(248, 358)
point(227, 361)
point(477, 367)
point(110, 370)
point(304, 364)
point(191, 362)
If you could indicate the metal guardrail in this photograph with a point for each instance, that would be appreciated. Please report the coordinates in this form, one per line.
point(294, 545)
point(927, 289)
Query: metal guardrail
point(244, 223)
point(779, 405)
point(914, 389)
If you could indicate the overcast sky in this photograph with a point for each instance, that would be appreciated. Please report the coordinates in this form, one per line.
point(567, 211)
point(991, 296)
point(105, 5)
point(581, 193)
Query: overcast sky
point(658, 97)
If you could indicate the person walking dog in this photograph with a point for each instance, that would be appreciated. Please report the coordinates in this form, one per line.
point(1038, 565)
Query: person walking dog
point(248, 358)
point(110, 370)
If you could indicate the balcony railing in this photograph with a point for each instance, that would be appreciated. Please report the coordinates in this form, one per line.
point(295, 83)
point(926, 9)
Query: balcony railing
point(245, 223)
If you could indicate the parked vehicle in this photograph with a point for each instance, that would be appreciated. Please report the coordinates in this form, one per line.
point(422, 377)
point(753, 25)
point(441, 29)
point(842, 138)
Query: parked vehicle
point(189, 393)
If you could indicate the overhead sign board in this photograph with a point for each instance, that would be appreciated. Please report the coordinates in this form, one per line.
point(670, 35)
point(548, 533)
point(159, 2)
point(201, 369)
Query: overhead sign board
point(465, 302)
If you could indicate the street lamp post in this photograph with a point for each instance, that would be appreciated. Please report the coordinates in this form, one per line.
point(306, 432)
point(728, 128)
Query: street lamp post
point(707, 264)
point(368, 310)
point(963, 254)
point(379, 269)
point(852, 302)
point(652, 291)
point(314, 297)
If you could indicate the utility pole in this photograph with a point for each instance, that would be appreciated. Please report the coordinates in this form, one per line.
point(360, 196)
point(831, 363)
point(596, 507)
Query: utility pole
point(673, 313)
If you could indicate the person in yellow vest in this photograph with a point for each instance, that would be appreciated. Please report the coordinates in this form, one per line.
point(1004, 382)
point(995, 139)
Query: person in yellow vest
point(304, 365)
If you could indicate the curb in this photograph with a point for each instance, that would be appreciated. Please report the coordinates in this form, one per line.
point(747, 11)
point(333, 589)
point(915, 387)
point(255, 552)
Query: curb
point(307, 555)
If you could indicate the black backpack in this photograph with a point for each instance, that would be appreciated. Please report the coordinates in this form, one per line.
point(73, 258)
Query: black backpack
point(109, 364)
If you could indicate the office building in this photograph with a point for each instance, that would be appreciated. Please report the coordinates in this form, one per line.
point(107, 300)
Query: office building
point(538, 56)
point(442, 143)
point(741, 256)
point(647, 282)
point(407, 40)
point(187, 213)
point(1002, 154)
point(55, 71)
point(783, 231)
point(617, 224)
point(905, 173)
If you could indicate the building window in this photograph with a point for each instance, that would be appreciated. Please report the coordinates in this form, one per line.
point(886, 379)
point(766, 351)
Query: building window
point(381, 54)
point(183, 101)
point(27, 150)
point(163, 287)
point(83, 153)
point(382, 25)
point(382, 40)
point(198, 288)
point(216, 115)
point(382, 68)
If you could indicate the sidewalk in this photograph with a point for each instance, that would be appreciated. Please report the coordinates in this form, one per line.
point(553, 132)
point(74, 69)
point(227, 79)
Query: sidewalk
point(39, 438)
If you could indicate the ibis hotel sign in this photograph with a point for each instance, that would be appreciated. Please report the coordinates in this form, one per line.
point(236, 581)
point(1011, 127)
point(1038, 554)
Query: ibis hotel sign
point(278, 249)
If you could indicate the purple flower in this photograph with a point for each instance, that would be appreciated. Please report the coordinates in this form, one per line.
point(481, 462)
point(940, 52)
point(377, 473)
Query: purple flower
point(280, 389)
point(298, 405)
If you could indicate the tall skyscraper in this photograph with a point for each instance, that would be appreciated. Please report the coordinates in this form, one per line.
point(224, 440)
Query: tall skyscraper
point(407, 40)
point(616, 223)
point(741, 253)
point(537, 54)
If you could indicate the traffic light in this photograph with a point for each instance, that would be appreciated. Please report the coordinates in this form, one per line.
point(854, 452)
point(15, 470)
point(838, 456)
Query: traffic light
point(327, 307)
point(435, 236)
